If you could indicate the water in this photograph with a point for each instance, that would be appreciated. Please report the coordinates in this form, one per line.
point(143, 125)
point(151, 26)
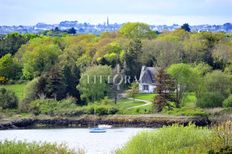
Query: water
point(93, 143)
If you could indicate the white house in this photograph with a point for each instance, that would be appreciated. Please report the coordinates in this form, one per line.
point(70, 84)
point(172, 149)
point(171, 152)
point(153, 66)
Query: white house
point(147, 79)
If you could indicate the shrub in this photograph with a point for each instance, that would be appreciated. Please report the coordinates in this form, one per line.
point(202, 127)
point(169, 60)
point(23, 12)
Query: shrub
point(8, 99)
point(52, 107)
point(223, 138)
point(228, 102)
point(17, 147)
point(67, 107)
point(186, 111)
point(171, 139)
point(210, 99)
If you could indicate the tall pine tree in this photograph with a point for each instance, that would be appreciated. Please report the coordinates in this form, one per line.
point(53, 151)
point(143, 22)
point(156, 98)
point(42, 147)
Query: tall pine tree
point(165, 88)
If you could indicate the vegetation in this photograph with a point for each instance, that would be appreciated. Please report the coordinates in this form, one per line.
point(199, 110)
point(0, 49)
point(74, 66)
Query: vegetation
point(180, 139)
point(56, 66)
point(228, 102)
point(8, 99)
point(133, 90)
point(35, 148)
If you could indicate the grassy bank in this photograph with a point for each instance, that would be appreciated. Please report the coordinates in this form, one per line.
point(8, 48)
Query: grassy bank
point(19, 147)
point(182, 140)
point(17, 88)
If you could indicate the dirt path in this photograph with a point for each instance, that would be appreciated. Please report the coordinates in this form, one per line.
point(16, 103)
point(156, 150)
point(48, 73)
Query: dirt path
point(141, 100)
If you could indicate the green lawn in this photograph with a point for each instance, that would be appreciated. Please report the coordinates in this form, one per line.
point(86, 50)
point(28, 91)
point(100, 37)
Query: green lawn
point(147, 97)
point(189, 100)
point(128, 106)
point(17, 88)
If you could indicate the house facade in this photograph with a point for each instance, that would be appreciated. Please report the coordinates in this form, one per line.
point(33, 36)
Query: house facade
point(147, 79)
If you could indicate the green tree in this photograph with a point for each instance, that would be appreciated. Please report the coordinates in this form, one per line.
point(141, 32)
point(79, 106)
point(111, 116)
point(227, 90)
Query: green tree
point(10, 43)
point(93, 83)
point(9, 68)
point(137, 30)
point(186, 79)
point(165, 88)
point(67, 61)
point(132, 65)
point(216, 86)
point(39, 60)
point(133, 90)
point(55, 86)
point(8, 99)
point(186, 27)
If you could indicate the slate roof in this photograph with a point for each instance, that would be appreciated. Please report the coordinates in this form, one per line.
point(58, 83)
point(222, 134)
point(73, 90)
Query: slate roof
point(147, 75)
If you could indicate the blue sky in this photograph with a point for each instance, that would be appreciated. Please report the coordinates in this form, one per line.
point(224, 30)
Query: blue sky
point(29, 12)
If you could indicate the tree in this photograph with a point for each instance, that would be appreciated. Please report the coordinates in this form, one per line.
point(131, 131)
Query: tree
point(165, 88)
point(67, 61)
point(137, 30)
point(133, 90)
point(186, 79)
point(10, 43)
point(194, 48)
point(39, 60)
point(186, 27)
point(55, 86)
point(94, 83)
point(132, 65)
point(71, 31)
point(8, 99)
point(9, 68)
point(223, 53)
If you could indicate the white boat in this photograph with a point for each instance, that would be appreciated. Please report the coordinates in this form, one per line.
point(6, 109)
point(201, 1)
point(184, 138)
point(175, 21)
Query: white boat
point(104, 126)
point(97, 130)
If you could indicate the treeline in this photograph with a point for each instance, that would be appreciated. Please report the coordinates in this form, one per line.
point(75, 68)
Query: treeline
point(56, 65)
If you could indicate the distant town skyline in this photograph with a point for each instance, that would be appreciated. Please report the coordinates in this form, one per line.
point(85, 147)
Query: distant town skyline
point(157, 12)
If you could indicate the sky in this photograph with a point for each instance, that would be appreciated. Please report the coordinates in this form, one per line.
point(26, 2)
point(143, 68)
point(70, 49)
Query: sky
point(157, 12)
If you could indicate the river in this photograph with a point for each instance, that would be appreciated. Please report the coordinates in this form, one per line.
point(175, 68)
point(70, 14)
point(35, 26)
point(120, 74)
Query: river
point(93, 143)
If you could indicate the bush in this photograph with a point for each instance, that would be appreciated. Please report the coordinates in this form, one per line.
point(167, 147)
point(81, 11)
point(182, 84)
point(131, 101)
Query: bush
point(210, 99)
point(186, 111)
point(52, 107)
point(171, 139)
point(8, 99)
point(67, 107)
point(17, 147)
point(228, 102)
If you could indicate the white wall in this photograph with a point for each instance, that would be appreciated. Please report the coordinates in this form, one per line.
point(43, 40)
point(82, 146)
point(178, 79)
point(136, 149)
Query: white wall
point(150, 88)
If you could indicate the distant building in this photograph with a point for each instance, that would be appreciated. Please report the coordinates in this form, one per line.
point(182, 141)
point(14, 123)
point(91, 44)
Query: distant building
point(107, 22)
point(147, 79)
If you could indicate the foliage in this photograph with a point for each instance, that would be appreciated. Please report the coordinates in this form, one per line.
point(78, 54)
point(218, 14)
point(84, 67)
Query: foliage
point(137, 30)
point(216, 87)
point(186, 78)
point(228, 102)
point(39, 60)
point(210, 99)
point(10, 43)
point(9, 68)
point(17, 88)
point(165, 88)
point(185, 111)
point(50, 106)
point(23, 147)
point(223, 137)
point(67, 107)
point(132, 65)
point(133, 90)
point(52, 84)
point(93, 83)
point(186, 27)
point(7, 99)
point(171, 139)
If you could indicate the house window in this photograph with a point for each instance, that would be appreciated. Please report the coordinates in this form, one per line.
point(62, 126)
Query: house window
point(145, 87)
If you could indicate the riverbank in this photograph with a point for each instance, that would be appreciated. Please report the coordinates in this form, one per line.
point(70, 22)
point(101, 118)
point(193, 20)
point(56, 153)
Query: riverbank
point(151, 121)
